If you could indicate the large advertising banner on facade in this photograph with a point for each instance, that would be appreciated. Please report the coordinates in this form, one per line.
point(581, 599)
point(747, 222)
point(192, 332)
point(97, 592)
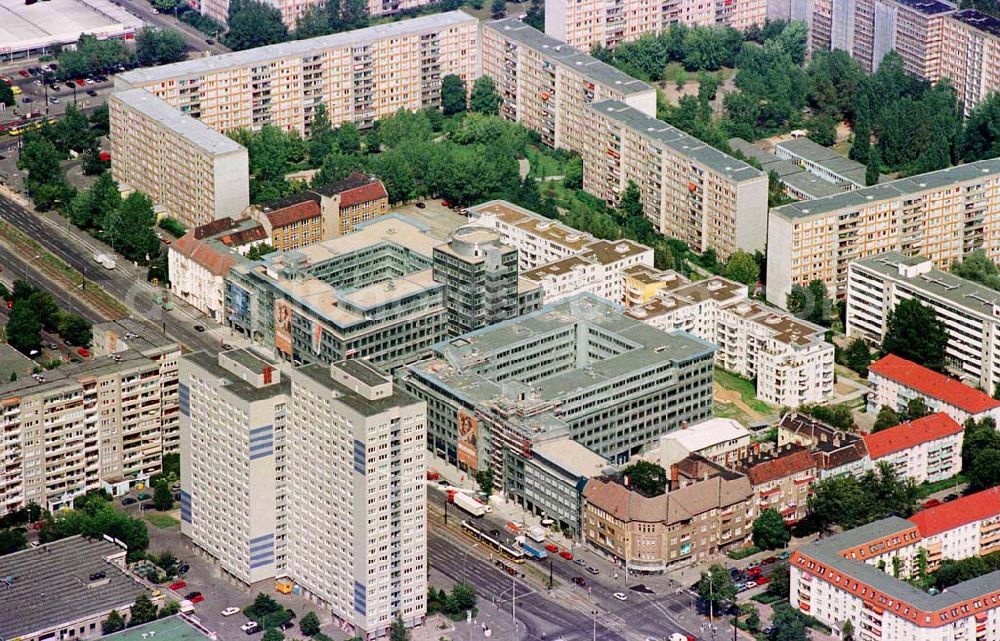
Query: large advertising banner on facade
point(283, 326)
point(468, 439)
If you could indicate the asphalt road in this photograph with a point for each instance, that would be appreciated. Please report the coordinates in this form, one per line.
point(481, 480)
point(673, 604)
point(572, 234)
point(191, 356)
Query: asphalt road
point(565, 612)
point(126, 283)
point(195, 39)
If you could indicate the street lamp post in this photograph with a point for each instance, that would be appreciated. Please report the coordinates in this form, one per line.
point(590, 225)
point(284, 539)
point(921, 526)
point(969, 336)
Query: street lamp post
point(593, 614)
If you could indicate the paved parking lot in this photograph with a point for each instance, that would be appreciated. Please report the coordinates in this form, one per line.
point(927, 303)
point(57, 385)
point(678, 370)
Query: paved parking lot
point(441, 220)
point(219, 589)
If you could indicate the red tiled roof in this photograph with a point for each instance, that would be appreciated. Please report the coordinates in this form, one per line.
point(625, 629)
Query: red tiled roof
point(217, 226)
point(294, 213)
point(787, 464)
point(242, 237)
point(932, 384)
point(363, 194)
point(198, 251)
point(910, 434)
point(967, 509)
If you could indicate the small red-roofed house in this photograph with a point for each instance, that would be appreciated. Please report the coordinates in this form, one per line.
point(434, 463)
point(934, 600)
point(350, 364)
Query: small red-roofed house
point(782, 480)
point(967, 526)
point(895, 381)
point(927, 449)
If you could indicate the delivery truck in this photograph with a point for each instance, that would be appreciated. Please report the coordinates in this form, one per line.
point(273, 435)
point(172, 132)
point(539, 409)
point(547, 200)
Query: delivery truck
point(470, 504)
point(533, 551)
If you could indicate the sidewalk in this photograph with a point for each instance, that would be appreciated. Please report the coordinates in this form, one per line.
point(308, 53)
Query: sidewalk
point(497, 620)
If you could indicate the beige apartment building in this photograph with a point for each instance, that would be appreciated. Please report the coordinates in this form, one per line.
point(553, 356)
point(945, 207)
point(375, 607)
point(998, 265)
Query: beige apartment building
point(690, 190)
point(869, 29)
point(82, 427)
point(706, 511)
point(545, 84)
point(941, 215)
point(970, 55)
point(607, 23)
point(194, 172)
point(360, 75)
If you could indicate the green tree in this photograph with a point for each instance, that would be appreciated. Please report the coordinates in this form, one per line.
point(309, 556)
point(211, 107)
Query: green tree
point(780, 583)
point(23, 329)
point(787, 625)
point(823, 130)
point(769, 531)
point(75, 329)
point(811, 303)
point(6, 94)
point(12, 540)
point(397, 629)
point(95, 516)
point(254, 24)
point(461, 599)
point(321, 136)
point(45, 309)
point(485, 480)
point(981, 137)
point(88, 209)
point(129, 229)
point(716, 585)
point(92, 56)
point(498, 9)
point(336, 166)
point(847, 631)
point(535, 16)
point(484, 98)
point(914, 333)
point(313, 23)
point(154, 46)
point(162, 498)
point(857, 356)
point(573, 173)
point(143, 611)
point(259, 250)
point(40, 158)
point(169, 609)
point(977, 266)
point(886, 418)
point(861, 145)
point(309, 625)
point(114, 623)
point(742, 267)
point(348, 138)
point(984, 470)
point(272, 635)
point(453, 95)
point(873, 168)
point(915, 408)
point(646, 477)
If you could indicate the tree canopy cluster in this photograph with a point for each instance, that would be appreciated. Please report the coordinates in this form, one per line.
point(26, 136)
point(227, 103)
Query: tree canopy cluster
point(646, 477)
point(35, 309)
point(461, 600)
point(153, 46)
point(94, 516)
point(849, 502)
point(913, 332)
point(952, 571)
point(981, 454)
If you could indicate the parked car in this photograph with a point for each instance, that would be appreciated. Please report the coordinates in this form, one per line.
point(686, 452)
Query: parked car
point(420, 205)
point(579, 580)
point(592, 570)
point(932, 503)
point(552, 547)
point(769, 560)
point(53, 100)
point(177, 585)
point(199, 328)
point(230, 611)
point(128, 500)
point(566, 554)
point(784, 556)
point(91, 93)
point(183, 568)
point(950, 497)
point(24, 74)
point(194, 597)
point(80, 82)
point(751, 584)
point(145, 496)
point(69, 84)
point(287, 625)
point(621, 596)
point(580, 562)
point(250, 627)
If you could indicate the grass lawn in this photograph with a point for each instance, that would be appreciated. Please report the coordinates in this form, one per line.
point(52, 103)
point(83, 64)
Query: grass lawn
point(926, 489)
point(543, 165)
point(748, 394)
point(730, 410)
point(162, 520)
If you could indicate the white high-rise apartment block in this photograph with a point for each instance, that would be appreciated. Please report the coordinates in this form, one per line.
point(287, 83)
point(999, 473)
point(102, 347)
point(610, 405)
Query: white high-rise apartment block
point(233, 413)
point(315, 474)
point(356, 494)
point(970, 311)
point(788, 357)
